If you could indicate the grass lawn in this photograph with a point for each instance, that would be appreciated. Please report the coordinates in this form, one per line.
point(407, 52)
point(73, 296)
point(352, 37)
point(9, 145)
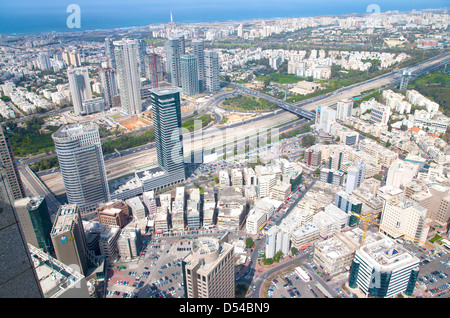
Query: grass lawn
point(281, 78)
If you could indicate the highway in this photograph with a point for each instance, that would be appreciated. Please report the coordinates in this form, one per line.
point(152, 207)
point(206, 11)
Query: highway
point(389, 79)
point(34, 187)
point(132, 159)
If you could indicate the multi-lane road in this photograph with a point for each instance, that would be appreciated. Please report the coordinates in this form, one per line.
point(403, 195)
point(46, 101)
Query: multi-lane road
point(134, 158)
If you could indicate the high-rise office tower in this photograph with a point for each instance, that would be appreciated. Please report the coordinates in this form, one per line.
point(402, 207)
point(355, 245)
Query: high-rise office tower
point(44, 62)
point(82, 167)
point(212, 83)
point(355, 176)
point(198, 49)
point(9, 163)
point(182, 43)
point(141, 52)
point(208, 271)
point(154, 69)
point(69, 238)
point(344, 109)
point(240, 31)
point(109, 49)
point(109, 86)
point(128, 75)
point(189, 75)
point(36, 223)
point(18, 277)
point(325, 116)
point(80, 88)
point(173, 54)
point(167, 125)
point(74, 58)
point(384, 269)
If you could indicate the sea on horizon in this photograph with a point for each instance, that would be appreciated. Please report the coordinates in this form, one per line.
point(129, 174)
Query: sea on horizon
point(24, 17)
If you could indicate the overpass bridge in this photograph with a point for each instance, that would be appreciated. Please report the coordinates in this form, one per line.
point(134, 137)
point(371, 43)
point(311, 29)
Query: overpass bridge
point(282, 104)
point(391, 79)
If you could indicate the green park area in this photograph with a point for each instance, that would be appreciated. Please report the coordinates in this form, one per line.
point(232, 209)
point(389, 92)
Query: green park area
point(247, 103)
point(435, 86)
point(189, 123)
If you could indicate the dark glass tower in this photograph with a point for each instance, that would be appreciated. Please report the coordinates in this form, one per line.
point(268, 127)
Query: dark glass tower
point(167, 124)
point(9, 163)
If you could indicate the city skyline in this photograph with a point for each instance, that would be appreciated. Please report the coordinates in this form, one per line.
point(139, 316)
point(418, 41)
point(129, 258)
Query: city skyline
point(279, 158)
point(49, 16)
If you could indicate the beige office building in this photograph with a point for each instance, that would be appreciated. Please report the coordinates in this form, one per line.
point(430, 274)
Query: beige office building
point(69, 239)
point(208, 272)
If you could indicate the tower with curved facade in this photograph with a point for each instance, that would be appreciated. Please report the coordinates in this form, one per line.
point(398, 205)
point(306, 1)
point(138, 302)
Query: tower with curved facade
point(82, 167)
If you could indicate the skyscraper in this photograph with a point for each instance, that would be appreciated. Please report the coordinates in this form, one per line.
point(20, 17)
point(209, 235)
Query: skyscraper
point(82, 167)
point(142, 52)
point(174, 50)
point(198, 49)
point(109, 86)
point(208, 271)
point(18, 277)
point(36, 223)
point(126, 53)
point(69, 238)
point(44, 62)
point(167, 125)
point(154, 73)
point(109, 50)
point(182, 42)
point(9, 163)
point(80, 88)
point(212, 83)
point(344, 109)
point(189, 75)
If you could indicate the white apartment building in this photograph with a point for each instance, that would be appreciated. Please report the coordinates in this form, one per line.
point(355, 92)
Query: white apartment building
point(402, 217)
point(333, 255)
point(137, 208)
point(255, 219)
point(304, 235)
point(401, 173)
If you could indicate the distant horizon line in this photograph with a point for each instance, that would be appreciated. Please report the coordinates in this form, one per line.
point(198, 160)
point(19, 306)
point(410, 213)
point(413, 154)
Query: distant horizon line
point(124, 28)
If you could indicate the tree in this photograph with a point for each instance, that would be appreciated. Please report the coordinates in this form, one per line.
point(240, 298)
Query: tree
point(308, 141)
point(294, 251)
point(249, 242)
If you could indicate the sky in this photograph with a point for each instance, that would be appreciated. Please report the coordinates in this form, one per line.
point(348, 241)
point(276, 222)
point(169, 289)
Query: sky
point(34, 16)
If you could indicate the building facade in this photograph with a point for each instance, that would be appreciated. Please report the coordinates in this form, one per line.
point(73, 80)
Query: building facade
point(80, 158)
point(208, 272)
point(128, 70)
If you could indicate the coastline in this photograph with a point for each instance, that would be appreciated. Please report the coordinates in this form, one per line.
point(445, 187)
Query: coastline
point(67, 31)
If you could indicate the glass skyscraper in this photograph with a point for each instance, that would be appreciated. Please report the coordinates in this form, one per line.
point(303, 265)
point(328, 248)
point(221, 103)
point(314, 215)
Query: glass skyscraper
point(189, 75)
point(167, 125)
point(126, 53)
point(82, 167)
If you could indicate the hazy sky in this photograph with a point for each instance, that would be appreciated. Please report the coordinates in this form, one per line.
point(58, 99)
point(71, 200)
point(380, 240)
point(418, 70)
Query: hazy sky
point(107, 5)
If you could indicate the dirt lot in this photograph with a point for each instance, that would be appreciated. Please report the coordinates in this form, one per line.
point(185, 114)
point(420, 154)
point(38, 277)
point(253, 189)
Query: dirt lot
point(133, 122)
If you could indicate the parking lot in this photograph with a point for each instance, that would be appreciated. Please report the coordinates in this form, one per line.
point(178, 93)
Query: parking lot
point(434, 274)
point(291, 285)
point(156, 274)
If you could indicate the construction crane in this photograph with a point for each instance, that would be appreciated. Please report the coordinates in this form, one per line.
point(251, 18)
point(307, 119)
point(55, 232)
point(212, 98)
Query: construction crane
point(366, 225)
